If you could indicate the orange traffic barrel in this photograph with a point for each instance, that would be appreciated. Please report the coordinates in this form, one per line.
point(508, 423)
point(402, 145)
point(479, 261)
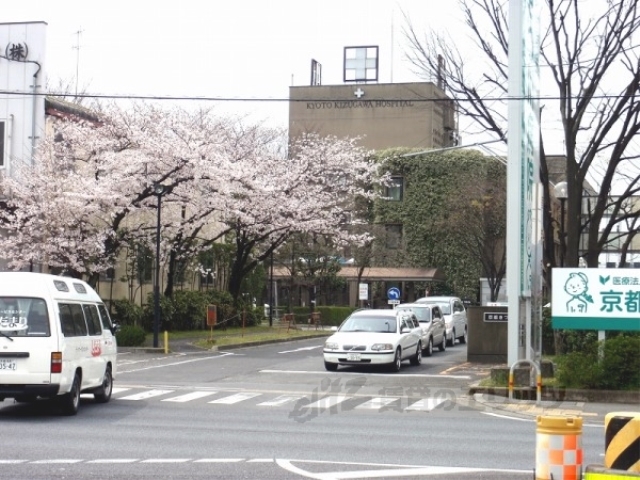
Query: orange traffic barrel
point(558, 448)
point(622, 441)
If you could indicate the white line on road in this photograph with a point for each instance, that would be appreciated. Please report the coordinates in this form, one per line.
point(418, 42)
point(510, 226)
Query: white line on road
point(146, 395)
point(327, 402)
point(302, 349)
point(238, 397)
point(166, 460)
point(425, 404)
point(412, 375)
point(377, 403)
point(115, 460)
point(187, 397)
point(281, 400)
point(201, 359)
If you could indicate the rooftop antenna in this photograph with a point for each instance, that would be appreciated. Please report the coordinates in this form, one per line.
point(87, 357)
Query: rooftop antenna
point(77, 48)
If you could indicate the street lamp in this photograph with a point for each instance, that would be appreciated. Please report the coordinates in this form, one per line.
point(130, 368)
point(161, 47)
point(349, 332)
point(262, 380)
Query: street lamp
point(158, 190)
point(561, 191)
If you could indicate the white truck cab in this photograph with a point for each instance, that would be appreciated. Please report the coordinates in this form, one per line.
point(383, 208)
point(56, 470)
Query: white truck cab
point(56, 340)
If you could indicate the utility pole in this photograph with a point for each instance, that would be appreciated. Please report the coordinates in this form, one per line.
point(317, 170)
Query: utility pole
point(77, 49)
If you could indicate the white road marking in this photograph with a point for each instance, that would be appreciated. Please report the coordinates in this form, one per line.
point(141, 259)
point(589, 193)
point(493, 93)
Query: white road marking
point(218, 460)
point(166, 460)
point(146, 395)
point(119, 390)
point(281, 400)
point(327, 402)
point(238, 397)
point(114, 460)
point(425, 404)
point(187, 397)
point(412, 375)
point(302, 349)
point(57, 461)
point(173, 364)
point(377, 403)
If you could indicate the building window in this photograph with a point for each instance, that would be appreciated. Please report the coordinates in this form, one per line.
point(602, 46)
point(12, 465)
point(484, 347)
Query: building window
point(144, 264)
point(394, 236)
point(2, 142)
point(395, 189)
point(361, 64)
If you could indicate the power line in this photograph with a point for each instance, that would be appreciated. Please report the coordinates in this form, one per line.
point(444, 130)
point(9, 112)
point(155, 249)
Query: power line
point(297, 100)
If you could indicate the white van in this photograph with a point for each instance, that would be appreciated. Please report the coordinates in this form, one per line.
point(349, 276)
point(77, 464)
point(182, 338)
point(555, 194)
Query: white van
point(56, 340)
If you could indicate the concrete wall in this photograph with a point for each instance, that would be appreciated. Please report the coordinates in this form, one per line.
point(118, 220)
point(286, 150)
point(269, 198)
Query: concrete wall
point(487, 339)
point(384, 115)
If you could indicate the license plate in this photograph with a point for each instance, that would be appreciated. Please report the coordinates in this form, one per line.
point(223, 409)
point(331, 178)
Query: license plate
point(353, 357)
point(7, 364)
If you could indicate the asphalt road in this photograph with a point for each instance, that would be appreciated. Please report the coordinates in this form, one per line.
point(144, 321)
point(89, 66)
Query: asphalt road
point(272, 411)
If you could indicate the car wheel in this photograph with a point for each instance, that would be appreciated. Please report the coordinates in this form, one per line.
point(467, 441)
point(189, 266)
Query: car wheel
point(69, 402)
point(429, 350)
point(397, 361)
point(417, 358)
point(103, 394)
point(443, 344)
point(330, 367)
point(452, 340)
point(463, 338)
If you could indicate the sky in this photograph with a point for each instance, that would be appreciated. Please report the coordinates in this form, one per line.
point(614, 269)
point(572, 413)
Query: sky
point(241, 49)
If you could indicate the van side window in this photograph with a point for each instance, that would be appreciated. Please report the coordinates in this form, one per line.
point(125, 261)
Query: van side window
point(93, 319)
point(104, 315)
point(72, 320)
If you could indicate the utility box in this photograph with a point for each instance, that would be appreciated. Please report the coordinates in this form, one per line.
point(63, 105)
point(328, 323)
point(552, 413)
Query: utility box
point(488, 336)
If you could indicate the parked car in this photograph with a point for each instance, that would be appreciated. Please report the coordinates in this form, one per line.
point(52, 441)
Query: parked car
point(432, 325)
point(455, 316)
point(375, 337)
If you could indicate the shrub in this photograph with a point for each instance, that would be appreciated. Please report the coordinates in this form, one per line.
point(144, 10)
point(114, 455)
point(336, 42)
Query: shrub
point(127, 313)
point(618, 369)
point(332, 316)
point(130, 336)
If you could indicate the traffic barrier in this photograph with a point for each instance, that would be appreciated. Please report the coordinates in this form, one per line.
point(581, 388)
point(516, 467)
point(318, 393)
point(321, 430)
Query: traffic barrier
point(622, 441)
point(598, 472)
point(558, 448)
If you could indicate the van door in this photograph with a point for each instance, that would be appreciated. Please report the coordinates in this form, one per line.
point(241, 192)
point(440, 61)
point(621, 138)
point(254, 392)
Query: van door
point(26, 342)
point(99, 339)
point(77, 345)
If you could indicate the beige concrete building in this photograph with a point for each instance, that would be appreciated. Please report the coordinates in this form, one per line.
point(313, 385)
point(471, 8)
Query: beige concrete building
point(414, 115)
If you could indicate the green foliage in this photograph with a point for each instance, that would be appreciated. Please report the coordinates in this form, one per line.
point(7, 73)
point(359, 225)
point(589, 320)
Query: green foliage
point(126, 312)
point(332, 316)
point(453, 215)
point(130, 336)
point(619, 368)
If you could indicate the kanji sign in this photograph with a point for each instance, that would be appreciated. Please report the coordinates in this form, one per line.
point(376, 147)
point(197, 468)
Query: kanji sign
point(596, 298)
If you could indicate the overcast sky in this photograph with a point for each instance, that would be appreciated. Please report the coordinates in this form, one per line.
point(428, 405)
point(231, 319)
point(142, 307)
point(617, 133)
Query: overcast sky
point(231, 49)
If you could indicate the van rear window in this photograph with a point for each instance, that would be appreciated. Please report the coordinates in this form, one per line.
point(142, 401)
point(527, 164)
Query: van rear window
point(24, 317)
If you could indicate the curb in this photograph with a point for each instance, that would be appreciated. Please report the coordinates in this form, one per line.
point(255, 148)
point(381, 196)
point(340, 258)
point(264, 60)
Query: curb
point(561, 394)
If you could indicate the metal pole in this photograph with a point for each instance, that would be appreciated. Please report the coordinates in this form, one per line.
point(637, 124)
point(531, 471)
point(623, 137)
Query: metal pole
point(156, 286)
point(563, 240)
point(271, 294)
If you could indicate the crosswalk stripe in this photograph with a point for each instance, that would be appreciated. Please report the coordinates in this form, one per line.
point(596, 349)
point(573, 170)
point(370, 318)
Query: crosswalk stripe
point(145, 395)
point(281, 400)
point(187, 397)
point(116, 390)
point(238, 397)
point(426, 404)
point(377, 403)
point(327, 402)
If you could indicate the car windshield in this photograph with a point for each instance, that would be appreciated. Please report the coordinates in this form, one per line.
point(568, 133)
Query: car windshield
point(370, 324)
point(445, 307)
point(422, 314)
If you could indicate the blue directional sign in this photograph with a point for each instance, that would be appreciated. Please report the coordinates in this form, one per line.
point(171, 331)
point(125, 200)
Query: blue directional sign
point(393, 293)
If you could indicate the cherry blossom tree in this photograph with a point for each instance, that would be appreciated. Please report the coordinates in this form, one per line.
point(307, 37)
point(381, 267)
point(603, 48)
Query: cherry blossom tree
point(91, 191)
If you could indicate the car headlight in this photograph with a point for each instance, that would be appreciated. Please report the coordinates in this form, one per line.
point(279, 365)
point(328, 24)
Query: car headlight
point(331, 346)
point(376, 347)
